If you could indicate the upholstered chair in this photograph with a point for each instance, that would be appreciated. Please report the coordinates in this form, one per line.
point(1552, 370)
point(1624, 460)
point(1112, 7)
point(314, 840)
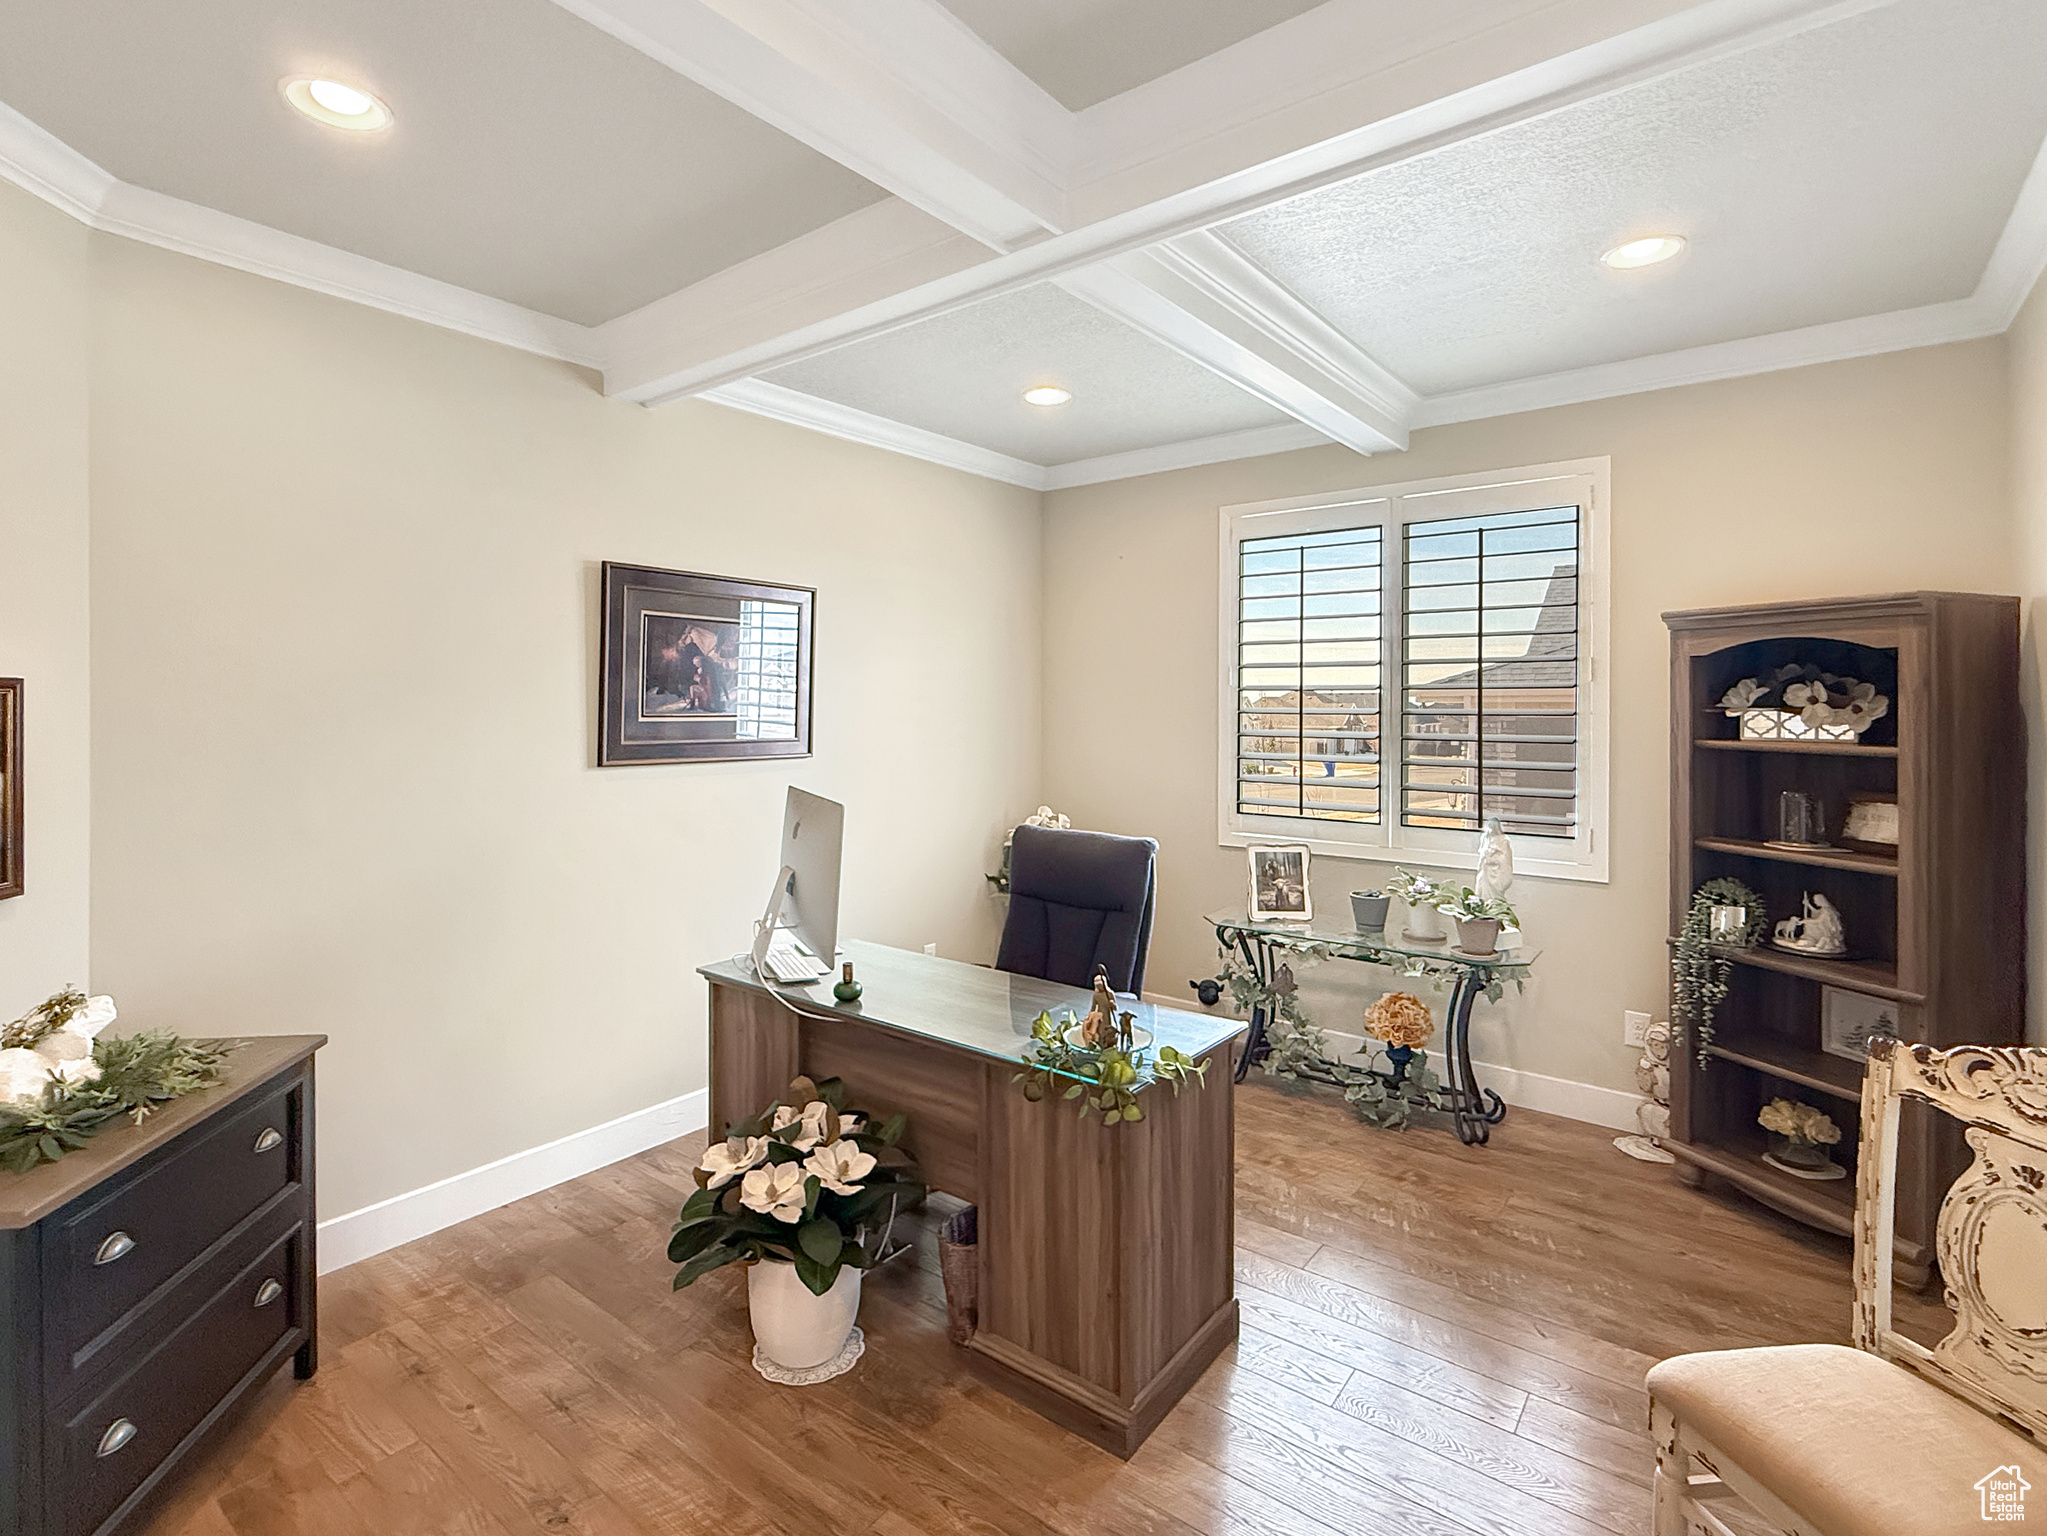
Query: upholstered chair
point(1078, 900)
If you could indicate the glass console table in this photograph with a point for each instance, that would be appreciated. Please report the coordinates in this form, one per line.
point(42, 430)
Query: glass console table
point(1264, 946)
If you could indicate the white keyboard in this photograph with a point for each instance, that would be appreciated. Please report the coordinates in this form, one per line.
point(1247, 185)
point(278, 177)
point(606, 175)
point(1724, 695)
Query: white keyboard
point(788, 961)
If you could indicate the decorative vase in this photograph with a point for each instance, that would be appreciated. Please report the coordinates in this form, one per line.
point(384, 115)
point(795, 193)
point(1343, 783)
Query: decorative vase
point(1425, 925)
point(1800, 1154)
point(1400, 1056)
point(800, 1337)
point(1368, 910)
point(1478, 935)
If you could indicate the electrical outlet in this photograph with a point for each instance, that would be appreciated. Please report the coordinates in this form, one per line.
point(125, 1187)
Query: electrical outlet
point(1634, 1028)
point(932, 949)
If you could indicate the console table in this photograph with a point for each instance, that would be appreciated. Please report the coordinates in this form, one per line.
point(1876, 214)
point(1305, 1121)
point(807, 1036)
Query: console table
point(1263, 947)
point(1105, 1251)
point(149, 1283)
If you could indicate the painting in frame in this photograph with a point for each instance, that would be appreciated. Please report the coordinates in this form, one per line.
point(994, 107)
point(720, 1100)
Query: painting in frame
point(702, 668)
point(10, 787)
point(1279, 883)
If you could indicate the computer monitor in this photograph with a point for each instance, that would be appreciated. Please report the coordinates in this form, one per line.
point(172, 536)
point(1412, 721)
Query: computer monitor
point(806, 895)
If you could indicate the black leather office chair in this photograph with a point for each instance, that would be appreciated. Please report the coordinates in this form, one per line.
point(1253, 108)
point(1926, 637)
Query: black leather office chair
point(1078, 900)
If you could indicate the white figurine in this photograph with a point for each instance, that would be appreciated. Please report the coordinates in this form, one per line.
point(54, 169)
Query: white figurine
point(1817, 930)
point(1495, 862)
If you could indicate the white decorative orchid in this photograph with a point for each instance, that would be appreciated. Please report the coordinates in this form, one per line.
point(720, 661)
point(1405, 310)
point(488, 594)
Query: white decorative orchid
point(24, 1074)
point(1741, 696)
point(726, 1160)
point(809, 1123)
point(840, 1166)
point(776, 1190)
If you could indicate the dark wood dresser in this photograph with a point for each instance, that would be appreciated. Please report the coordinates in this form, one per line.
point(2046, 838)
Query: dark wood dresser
point(148, 1284)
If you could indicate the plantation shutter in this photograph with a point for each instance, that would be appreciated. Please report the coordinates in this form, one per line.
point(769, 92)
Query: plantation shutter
point(1308, 657)
point(1490, 680)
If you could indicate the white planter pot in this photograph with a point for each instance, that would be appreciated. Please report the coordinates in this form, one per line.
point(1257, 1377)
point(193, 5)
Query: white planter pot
point(794, 1329)
point(1426, 925)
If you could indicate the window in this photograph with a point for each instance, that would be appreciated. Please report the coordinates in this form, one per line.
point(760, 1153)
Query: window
point(1480, 602)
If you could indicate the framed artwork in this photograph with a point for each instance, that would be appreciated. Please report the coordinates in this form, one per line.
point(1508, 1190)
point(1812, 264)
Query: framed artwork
point(702, 668)
point(1850, 1020)
point(1872, 823)
point(10, 786)
point(1279, 884)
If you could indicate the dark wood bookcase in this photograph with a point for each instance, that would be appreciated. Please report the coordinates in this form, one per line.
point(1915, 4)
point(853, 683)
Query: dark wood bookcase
point(1939, 929)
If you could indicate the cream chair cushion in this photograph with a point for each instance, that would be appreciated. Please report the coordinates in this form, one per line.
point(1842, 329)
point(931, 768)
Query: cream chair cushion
point(1853, 1444)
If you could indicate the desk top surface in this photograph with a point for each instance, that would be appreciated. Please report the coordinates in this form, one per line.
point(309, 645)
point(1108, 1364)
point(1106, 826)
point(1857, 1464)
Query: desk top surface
point(986, 1011)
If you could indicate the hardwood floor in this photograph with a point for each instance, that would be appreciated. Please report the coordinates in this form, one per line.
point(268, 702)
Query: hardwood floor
point(1438, 1341)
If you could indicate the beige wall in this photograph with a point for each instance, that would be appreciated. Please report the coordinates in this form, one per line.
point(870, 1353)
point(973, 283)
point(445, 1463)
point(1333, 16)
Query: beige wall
point(345, 627)
point(1875, 475)
point(2027, 340)
point(44, 598)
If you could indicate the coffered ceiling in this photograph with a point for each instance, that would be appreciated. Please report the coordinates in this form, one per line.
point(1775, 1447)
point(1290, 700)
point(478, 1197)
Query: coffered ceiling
point(1228, 228)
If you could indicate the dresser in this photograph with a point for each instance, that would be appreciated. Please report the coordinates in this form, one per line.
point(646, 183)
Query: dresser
point(149, 1283)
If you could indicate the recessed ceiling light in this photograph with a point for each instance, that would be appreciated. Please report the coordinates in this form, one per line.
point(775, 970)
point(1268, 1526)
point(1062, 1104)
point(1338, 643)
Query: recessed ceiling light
point(1047, 394)
point(336, 105)
point(1644, 253)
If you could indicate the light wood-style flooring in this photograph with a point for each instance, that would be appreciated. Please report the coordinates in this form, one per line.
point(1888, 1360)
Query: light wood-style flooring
point(1438, 1341)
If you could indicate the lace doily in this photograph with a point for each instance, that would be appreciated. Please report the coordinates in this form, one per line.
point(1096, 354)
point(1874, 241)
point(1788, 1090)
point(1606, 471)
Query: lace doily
point(838, 1365)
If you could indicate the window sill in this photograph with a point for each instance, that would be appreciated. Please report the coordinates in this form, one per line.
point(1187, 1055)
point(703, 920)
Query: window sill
point(1528, 864)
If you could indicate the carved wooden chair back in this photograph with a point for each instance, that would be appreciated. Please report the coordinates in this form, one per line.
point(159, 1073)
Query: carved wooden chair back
point(1992, 1234)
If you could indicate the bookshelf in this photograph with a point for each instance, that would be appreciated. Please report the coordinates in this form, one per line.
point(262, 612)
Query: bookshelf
point(1935, 929)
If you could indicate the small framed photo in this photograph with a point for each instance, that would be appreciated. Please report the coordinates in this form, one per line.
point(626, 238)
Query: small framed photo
point(1871, 823)
point(1279, 884)
point(1850, 1020)
point(1727, 925)
point(702, 668)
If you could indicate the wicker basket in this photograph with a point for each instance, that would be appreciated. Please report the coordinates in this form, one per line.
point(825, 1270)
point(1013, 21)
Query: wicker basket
point(959, 1264)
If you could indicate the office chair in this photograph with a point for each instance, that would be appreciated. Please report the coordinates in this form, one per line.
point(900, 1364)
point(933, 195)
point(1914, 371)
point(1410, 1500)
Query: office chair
point(1078, 900)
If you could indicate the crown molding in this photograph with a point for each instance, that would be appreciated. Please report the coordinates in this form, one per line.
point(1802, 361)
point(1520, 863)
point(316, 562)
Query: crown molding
point(39, 163)
point(2021, 252)
point(1220, 449)
point(760, 398)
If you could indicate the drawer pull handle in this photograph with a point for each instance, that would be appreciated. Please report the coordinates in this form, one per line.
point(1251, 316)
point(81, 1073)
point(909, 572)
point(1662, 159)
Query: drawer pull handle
point(118, 1434)
point(269, 1138)
point(268, 1292)
point(118, 1245)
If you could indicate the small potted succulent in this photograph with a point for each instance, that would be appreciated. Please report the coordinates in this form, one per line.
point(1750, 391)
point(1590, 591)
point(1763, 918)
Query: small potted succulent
point(1799, 1138)
point(804, 1194)
point(1479, 919)
point(1424, 922)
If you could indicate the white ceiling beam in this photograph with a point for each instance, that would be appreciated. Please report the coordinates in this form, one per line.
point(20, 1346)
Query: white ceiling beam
point(888, 89)
point(1202, 297)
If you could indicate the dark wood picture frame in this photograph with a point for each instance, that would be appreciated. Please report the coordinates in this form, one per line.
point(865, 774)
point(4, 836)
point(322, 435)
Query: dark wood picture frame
point(700, 668)
point(10, 787)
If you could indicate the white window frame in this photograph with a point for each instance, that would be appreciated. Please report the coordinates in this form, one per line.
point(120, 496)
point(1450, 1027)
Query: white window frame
point(1392, 508)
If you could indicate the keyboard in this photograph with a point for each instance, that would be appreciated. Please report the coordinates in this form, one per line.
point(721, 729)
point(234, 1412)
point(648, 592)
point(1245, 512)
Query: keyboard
point(788, 961)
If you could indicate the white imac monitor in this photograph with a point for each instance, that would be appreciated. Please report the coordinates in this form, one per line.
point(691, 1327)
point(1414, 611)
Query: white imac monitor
point(803, 912)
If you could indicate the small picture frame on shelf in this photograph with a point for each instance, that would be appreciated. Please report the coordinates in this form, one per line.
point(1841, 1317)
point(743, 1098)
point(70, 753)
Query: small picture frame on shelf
point(1850, 1020)
point(1279, 884)
point(1871, 824)
point(1727, 925)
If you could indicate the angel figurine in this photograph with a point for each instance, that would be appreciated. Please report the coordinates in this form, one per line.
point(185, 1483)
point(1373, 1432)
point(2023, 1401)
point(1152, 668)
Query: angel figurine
point(1099, 1031)
point(1817, 930)
point(1495, 862)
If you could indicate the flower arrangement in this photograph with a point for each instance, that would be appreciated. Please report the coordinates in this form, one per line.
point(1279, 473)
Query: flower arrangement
point(60, 1083)
point(1817, 697)
point(1400, 1019)
point(1417, 890)
point(1699, 975)
point(1043, 816)
point(806, 1182)
point(1798, 1123)
point(1104, 1080)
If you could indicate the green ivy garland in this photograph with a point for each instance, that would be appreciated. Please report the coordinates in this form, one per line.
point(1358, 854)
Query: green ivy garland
point(1105, 1081)
point(1698, 972)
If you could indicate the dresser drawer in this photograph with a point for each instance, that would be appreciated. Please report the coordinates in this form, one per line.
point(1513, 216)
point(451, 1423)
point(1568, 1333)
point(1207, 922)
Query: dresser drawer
point(106, 1259)
point(108, 1450)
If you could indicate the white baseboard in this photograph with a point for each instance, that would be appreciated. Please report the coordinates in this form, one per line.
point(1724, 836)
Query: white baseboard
point(371, 1230)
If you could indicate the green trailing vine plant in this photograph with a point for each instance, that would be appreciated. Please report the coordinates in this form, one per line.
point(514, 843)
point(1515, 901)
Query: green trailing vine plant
point(1698, 970)
point(1106, 1081)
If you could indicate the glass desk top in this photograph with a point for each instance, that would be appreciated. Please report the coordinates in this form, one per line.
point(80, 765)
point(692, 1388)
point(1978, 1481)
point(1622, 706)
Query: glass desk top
point(1361, 943)
point(970, 1007)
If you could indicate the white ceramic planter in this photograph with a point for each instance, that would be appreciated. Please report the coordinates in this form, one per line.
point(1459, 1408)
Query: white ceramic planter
point(1426, 925)
point(1478, 935)
point(794, 1329)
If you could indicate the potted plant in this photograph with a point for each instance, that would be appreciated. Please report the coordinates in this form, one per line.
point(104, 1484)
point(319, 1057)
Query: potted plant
point(1368, 910)
point(1479, 918)
point(1799, 1138)
point(1424, 923)
point(804, 1195)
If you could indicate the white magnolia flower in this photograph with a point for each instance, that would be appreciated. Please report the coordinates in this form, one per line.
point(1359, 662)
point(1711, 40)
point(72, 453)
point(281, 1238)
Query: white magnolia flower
point(840, 1166)
point(1803, 695)
point(1741, 695)
point(95, 1016)
point(1864, 708)
point(77, 1070)
point(776, 1190)
point(809, 1123)
point(23, 1075)
point(62, 1045)
point(852, 1125)
point(726, 1160)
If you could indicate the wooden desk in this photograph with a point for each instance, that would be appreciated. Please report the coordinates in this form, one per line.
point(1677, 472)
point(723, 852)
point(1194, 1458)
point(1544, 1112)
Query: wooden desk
point(1106, 1251)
